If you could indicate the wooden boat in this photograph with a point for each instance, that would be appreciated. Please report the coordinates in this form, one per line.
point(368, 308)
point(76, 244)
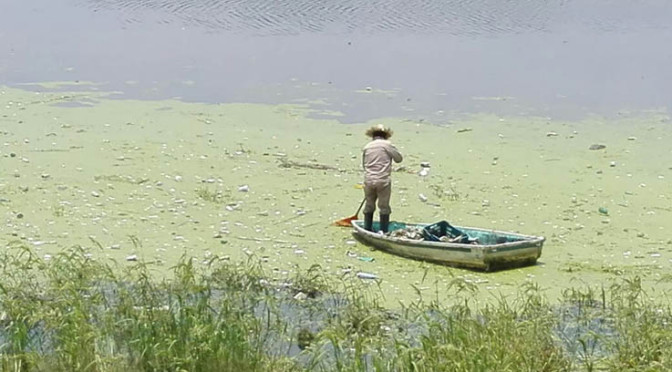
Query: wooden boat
point(468, 247)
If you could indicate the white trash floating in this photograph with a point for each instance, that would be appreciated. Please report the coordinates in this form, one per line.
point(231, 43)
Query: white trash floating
point(363, 275)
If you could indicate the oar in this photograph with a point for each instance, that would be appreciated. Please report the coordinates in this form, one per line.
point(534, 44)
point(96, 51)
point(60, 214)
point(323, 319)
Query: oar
point(347, 222)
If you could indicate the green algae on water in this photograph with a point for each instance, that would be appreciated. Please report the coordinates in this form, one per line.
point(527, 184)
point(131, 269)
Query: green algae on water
point(171, 174)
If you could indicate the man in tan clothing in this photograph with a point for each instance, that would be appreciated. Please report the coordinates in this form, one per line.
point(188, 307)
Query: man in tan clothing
point(377, 157)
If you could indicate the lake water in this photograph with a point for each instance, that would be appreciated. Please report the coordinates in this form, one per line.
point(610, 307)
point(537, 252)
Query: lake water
point(560, 58)
point(154, 179)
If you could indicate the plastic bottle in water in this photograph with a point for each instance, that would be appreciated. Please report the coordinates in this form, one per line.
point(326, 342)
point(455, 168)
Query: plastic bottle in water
point(362, 275)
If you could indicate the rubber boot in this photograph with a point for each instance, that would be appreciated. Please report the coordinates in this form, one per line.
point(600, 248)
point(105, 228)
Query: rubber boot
point(384, 222)
point(368, 221)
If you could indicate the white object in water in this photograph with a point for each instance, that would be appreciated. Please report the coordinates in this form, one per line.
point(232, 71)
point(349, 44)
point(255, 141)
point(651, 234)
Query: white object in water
point(363, 275)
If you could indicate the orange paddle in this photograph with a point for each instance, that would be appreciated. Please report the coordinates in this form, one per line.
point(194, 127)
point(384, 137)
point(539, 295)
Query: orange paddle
point(347, 222)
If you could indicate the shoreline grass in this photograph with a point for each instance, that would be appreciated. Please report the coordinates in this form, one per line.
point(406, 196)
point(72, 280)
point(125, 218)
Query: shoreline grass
point(74, 313)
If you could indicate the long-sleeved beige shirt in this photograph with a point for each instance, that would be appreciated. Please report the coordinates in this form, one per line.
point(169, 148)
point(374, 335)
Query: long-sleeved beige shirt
point(377, 157)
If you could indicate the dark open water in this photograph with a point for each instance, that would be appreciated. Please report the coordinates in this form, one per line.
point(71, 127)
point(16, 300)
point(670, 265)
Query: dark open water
point(556, 57)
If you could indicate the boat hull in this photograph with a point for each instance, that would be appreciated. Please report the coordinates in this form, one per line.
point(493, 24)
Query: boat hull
point(518, 250)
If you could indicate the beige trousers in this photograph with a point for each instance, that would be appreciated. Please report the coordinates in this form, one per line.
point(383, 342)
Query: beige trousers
point(380, 192)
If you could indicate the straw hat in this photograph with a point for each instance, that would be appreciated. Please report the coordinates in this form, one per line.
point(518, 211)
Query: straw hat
point(379, 130)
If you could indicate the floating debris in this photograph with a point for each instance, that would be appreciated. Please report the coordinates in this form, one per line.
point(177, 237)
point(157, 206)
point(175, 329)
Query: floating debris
point(232, 207)
point(363, 275)
point(244, 188)
point(285, 163)
point(132, 257)
point(300, 296)
point(597, 146)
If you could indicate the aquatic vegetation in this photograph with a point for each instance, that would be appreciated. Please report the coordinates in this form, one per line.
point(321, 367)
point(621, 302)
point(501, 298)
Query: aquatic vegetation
point(72, 313)
point(210, 196)
point(448, 191)
point(617, 328)
point(75, 313)
point(58, 210)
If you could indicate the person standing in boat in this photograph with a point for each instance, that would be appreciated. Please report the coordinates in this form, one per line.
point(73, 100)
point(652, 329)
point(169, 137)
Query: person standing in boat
point(377, 158)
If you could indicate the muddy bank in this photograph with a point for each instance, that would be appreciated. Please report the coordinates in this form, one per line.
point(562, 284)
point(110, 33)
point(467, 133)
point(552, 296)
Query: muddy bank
point(151, 181)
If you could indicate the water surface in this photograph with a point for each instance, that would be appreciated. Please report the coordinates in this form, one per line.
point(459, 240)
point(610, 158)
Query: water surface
point(422, 59)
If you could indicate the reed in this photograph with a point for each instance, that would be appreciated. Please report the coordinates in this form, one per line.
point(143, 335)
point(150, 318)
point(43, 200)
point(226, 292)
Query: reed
point(642, 337)
point(76, 313)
